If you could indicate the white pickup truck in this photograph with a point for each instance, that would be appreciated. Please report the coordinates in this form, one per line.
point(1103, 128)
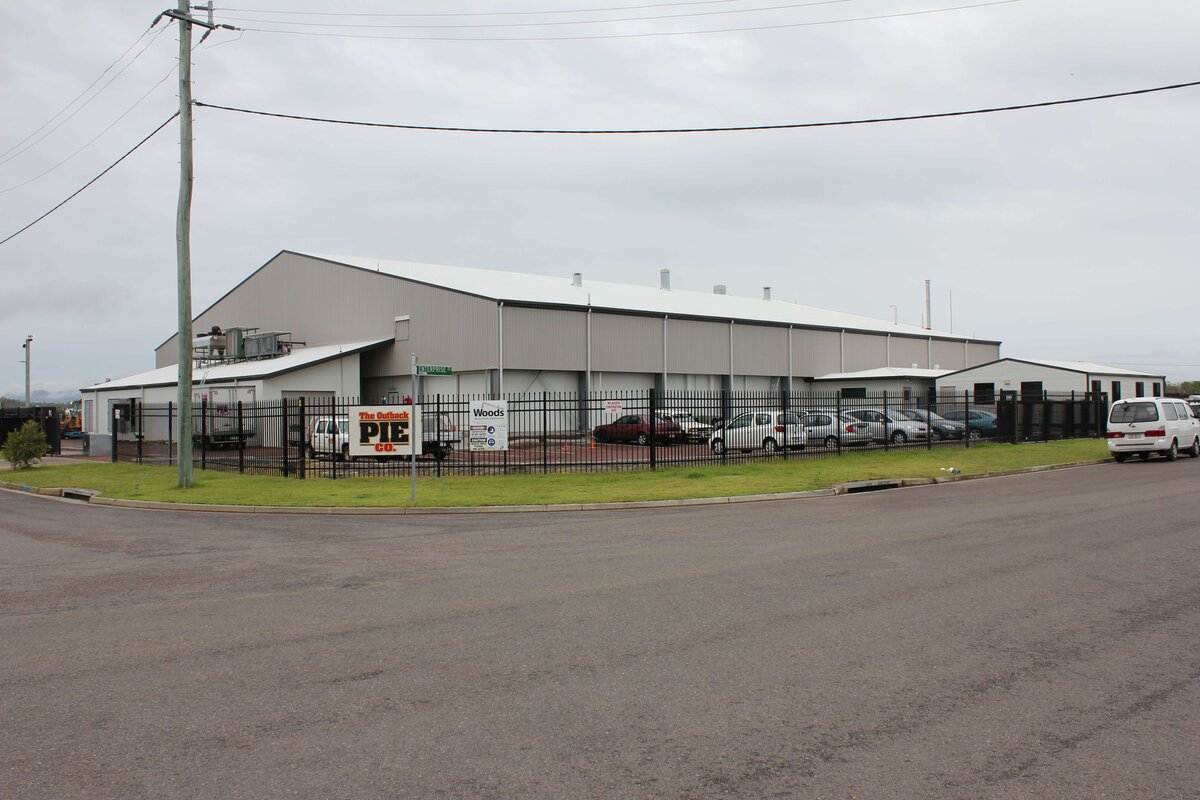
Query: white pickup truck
point(329, 436)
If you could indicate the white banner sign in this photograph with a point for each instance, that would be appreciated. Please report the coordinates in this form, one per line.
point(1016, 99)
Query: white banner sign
point(384, 430)
point(489, 425)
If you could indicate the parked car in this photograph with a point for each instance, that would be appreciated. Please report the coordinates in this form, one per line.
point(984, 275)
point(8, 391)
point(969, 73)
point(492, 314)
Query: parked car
point(330, 436)
point(939, 427)
point(891, 426)
point(1148, 425)
point(696, 429)
point(636, 428)
point(826, 429)
point(976, 419)
point(770, 430)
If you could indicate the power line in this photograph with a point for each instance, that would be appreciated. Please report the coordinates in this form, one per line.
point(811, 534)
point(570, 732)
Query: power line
point(459, 26)
point(746, 29)
point(79, 191)
point(66, 119)
point(93, 140)
point(728, 129)
point(480, 13)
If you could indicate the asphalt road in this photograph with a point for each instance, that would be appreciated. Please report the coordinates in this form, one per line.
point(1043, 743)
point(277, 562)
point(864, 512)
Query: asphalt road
point(1027, 637)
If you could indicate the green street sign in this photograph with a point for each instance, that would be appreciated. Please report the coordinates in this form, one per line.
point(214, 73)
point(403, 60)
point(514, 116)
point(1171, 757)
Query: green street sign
point(434, 369)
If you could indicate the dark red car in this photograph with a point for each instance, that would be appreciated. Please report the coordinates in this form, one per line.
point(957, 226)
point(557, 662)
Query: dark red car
point(636, 428)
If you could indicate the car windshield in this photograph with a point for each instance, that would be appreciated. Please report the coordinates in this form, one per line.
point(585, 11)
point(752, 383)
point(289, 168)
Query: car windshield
point(1134, 412)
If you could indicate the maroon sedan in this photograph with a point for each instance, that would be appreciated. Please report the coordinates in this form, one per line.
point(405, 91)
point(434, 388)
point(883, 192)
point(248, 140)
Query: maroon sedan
point(636, 428)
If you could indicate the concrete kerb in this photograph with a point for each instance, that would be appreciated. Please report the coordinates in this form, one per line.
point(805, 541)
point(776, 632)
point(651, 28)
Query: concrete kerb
point(837, 489)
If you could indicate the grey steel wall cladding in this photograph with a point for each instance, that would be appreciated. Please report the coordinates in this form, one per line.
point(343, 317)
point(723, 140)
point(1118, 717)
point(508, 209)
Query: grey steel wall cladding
point(320, 302)
point(545, 338)
point(626, 343)
point(864, 351)
point(760, 350)
point(908, 351)
point(981, 353)
point(815, 353)
point(948, 355)
point(695, 347)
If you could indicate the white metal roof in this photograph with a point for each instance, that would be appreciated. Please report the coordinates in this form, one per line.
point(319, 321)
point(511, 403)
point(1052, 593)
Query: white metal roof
point(240, 370)
point(1086, 367)
point(884, 373)
point(520, 287)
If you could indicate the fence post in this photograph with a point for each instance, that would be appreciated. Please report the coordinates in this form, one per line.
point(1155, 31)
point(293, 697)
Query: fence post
point(545, 435)
point(1045, 415)
point(241, 440)
point(303, 437)
point(838, 438)
point(967, 417)
point(283, 424)
point(135, 414)
point(653, 428)
point(203, 433)
point(335, 454)
point(929, 412)
point(437, 405)
point(170, 433)
point(783, 405)
point(114, 423)
point(725, 425)
point(887, 434)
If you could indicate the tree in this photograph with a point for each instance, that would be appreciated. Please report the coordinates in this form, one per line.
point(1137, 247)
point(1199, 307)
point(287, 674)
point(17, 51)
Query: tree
point(25, 446)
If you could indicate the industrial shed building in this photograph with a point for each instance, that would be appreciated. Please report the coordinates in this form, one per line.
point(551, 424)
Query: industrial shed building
point(1034, 377)
point(506, 332)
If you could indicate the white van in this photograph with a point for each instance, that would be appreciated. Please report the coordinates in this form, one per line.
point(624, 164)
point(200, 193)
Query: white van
point(1146, 425)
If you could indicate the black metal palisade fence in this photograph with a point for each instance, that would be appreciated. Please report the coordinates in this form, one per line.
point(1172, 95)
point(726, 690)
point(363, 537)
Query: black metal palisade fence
point(561, 432)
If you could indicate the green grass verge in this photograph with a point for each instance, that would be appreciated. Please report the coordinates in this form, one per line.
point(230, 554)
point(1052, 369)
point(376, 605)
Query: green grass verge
point(133, 482)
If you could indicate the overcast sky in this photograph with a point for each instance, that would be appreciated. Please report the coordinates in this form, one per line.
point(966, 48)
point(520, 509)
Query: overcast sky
point(1067, 233)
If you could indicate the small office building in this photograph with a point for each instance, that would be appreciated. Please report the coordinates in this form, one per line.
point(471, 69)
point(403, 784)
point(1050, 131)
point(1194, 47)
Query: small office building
point(1030, 377)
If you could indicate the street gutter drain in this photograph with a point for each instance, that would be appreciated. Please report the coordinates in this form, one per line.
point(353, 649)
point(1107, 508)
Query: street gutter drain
point(856, 487)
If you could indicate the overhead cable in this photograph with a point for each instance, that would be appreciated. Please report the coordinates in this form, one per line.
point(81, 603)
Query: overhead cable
point(724, 129)
point(5, 157)
point(746, 29)
point(558, 23)
point(478, 13)
point(80, 190)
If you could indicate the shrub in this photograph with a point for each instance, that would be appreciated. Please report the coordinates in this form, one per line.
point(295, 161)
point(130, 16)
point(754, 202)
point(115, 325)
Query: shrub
point(25, 446)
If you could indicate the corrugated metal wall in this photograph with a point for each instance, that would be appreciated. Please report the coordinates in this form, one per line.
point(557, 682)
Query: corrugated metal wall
point(760, 350)
point(908, 351)
point(816, 353)
point(697, 348)
point(545, 338)
point(948, 355)
point(626, 343)
point(865, 351)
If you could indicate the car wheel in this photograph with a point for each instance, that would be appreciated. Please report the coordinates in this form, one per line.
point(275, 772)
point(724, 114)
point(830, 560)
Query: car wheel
point(439, 453)
point(1194, 450)
point(718, 447)
point(935, 435)
point(643, 439)
point(771, 446)
point(976, 435)
point(1119, 458)
point(309, 453)
point(831, 443)
point(1172, 451)
point(346, 454)
point(899, 437)
point(600, 436)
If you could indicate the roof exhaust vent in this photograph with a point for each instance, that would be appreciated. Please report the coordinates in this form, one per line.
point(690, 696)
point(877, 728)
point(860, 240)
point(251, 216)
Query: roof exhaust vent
point(766, 293)
point(719, 288)
point(664, 279)
point(577, 279)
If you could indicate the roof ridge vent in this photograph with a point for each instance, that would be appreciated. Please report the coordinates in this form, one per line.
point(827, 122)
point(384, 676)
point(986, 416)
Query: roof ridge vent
point(577, 279)
point(718, 288)
point(664, 279)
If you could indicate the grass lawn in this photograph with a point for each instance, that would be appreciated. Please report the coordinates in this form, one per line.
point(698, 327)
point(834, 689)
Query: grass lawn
point(133, 482)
